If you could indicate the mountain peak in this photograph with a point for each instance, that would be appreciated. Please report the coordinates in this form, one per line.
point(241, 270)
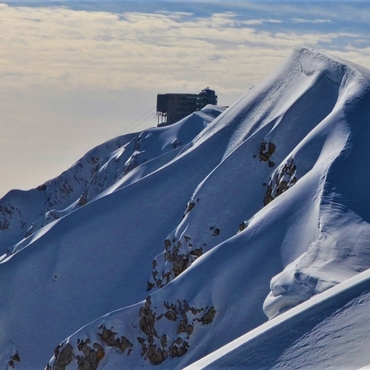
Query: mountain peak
point(159, 247)
point(310, 58)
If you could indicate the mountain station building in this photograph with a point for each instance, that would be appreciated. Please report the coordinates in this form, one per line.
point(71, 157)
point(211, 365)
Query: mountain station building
point(172, 107)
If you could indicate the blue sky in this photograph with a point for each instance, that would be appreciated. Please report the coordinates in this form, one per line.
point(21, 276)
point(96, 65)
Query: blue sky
point(75, 74)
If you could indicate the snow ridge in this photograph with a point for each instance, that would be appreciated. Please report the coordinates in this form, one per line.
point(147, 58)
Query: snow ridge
point(224, 217)
point(22, 213)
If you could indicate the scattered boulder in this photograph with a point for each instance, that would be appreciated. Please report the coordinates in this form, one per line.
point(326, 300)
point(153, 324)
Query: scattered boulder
point(189, 207)
point(42, 187)
point(197, 252)
point(208, 316)
point(91, 356)
point(13, 359)
point(216, 232)
point(63, 356)
point(267, 149)
point(109, 337)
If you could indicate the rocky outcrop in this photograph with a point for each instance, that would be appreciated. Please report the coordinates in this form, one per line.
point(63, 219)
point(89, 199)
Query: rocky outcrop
point(87, 355)
point(91, 355)
point(267, 149)
point(63, 356)
point(156, 346)
point(282, 179)
point(163, 331)
point(189, 207)
point(13, 360)
point(177, 257)
point(109, 337)
point(179, 253)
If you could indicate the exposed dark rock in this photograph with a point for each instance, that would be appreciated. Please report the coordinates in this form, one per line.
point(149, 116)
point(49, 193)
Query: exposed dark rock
point(282, 186)
point(178, 348)
point(283, 179)
point(42, 187)
point(208, 316)
point(177, 256)
point(123, 343)
point(189, 207)
point(155, 349)
point(147, 319)
point(109, 337)
point(82, 200)
point(63, 356)
point(175, 143)
point(149, 286)
point(242, 226)
point(180, 264)
point(167, 244)
point(171, 315)
point(155, 355)
point(266, 151)
point(92, 356)
point(184, 327)
point(216, 232)
point(16, 357)
point(197, 252)
point(13, 359)
point(164, 341)
point(4, 224)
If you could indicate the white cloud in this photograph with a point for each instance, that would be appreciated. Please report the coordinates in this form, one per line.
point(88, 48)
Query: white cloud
point(97, 49)
point(314, 21)
point(59, 46)
point(274, 21)
point(71, 79)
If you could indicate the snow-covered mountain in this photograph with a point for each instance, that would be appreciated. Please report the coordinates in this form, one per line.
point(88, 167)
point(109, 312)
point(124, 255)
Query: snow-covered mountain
point(174, 246)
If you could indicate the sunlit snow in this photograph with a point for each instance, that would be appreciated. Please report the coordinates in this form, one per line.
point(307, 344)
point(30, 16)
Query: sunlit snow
point(238, 237)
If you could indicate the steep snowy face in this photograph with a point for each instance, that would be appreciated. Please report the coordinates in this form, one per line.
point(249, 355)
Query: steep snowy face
point(293, 124)
point(273, 202)
point(342, 246)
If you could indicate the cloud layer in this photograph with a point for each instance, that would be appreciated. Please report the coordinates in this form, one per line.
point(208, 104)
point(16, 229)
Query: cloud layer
point(75, 75)
point(168, 50)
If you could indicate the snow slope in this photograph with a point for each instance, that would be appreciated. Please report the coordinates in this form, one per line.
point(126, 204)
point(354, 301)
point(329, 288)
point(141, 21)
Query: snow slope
point(24, 212)
point(167, 251)
point(326, 332)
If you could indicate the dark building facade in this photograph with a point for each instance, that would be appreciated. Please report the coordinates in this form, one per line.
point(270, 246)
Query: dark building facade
point(173, 107)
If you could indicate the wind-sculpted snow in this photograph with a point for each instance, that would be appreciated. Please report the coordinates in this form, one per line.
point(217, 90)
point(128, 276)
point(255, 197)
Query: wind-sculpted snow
point(22, 213)
point(159, 145)
point(328, 331)
point(199, 222)
point(249, 172)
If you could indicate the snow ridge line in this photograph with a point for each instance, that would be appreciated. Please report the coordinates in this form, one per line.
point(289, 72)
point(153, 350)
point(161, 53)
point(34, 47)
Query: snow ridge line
point(342, 293)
